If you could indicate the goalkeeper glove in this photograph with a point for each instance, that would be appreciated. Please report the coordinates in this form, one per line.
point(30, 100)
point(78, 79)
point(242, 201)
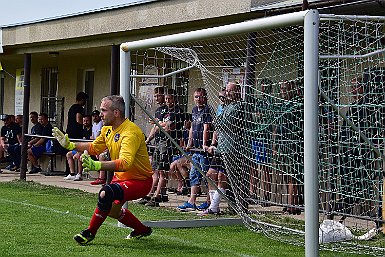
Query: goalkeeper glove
point(62, 139)
point(89, 164)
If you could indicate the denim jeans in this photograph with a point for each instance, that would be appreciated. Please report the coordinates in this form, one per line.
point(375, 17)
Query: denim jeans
point(202, 162)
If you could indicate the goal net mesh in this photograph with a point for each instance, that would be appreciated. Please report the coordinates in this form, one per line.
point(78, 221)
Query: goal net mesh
point(261, 135)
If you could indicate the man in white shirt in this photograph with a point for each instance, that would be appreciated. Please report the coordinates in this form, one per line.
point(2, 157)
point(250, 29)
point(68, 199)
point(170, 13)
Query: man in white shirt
point(97, 124)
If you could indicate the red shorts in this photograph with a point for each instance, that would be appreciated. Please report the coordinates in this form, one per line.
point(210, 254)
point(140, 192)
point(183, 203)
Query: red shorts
point(134, 189)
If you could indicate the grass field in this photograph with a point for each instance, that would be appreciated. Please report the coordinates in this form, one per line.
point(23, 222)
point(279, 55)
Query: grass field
point(39, 220)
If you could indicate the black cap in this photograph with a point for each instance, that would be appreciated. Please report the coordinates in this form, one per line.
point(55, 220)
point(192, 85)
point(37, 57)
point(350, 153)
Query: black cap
point(95, 112)
point(4, 116)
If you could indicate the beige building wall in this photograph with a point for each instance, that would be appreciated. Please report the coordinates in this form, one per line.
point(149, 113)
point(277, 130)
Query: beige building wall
point(71, 78)
point(132, 18)
point(84, 41)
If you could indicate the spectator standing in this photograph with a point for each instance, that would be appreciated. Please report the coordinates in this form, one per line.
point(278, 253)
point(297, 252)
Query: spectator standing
point(199, 138)
point(75, 116)
point(172, 123)
point(232, 127)
point(75, 120)
point(37, 146)
point(129, 161)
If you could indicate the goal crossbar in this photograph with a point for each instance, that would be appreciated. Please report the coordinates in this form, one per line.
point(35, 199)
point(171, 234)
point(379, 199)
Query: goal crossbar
point(220, 31)
point(162, 76)
point(356, 56)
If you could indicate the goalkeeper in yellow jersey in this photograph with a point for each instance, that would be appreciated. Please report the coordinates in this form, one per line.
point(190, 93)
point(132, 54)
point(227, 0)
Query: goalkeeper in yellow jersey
point(129, 161)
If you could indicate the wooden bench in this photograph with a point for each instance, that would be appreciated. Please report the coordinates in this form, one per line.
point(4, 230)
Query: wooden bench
point(52, 155)
point(52, 165)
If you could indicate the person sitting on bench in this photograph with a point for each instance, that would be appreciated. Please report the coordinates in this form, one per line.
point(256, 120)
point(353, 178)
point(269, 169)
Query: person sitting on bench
point(36, 148)
point(11, 141)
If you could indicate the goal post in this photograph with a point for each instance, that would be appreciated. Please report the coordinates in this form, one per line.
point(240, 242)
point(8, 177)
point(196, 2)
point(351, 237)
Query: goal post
point(311, 20)
point(302, 146)
point(311, 26)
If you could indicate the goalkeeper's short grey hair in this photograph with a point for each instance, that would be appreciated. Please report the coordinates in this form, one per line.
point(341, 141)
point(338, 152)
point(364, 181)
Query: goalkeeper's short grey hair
point(117, 103)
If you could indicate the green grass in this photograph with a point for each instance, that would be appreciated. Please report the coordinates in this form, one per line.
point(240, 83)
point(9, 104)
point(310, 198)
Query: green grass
point(39, 220)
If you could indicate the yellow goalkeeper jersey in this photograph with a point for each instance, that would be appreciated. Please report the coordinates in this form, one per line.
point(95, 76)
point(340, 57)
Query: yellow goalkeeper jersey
point(127, 148)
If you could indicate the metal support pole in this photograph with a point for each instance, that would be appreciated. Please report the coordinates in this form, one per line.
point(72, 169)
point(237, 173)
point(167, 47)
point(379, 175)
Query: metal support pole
point(27, 90)
point(251, 62)
point(125, 80)
point(114, 76)
point(311, 28)
point(125, 90)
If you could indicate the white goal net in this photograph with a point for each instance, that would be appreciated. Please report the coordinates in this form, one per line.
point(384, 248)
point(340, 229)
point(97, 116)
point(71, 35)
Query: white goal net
point(261, 133)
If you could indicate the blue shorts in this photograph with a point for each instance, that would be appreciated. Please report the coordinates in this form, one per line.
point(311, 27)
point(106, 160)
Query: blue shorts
point(177, 157)
point(202, 162)
point(261, 152)
point(217, 164)
point(37, 151)
point(93, 157)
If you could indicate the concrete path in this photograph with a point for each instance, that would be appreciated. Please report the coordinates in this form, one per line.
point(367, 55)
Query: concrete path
point(52, 180)
point(85, 185)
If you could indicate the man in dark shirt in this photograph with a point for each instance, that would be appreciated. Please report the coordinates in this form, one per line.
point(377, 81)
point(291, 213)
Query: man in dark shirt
point(75, 116)
point(38, 147)
point(75, 122)
point(199, 138)
point(11, 141)
point(36, 126)
point(87, 127)
point(172, 122)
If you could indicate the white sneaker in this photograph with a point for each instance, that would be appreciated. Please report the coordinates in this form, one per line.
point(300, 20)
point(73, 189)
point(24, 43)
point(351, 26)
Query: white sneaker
point(70, 177)
point(78, 177)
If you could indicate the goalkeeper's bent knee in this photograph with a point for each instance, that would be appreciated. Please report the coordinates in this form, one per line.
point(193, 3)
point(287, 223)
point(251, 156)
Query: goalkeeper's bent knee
point(108, 194)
